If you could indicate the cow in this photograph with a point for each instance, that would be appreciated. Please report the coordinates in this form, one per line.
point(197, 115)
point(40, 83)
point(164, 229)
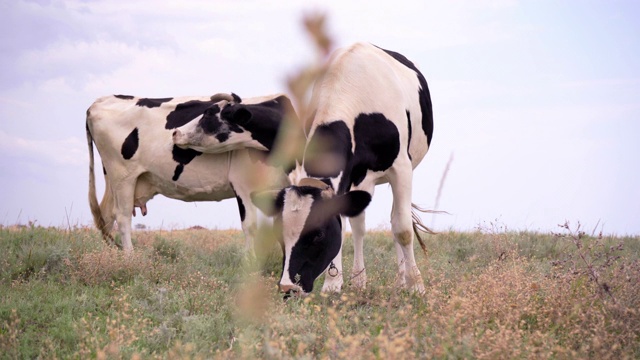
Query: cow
point(134, 138)
point(371, 123)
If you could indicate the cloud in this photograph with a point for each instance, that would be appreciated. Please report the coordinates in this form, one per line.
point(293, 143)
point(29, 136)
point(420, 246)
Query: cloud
point(526, 121)
point(72, 56)
point(65, 152)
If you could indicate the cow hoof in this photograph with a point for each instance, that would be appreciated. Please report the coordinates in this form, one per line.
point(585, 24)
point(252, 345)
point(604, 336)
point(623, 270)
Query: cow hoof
point(332, 288)
point(359, 279)
point(401, 280)
point(419, 289)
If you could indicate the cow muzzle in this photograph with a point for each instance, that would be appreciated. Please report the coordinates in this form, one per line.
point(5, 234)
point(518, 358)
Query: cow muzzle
point(291, 290)
point(179, 138)
point(288, 288)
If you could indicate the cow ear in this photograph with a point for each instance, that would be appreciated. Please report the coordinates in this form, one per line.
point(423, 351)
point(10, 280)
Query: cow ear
point(270, 202)
point(212, 110)
point(241, 116)
point(354, 202)
point(349, 204)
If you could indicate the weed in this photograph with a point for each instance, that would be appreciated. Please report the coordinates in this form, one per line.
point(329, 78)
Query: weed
point(538, 300)
point(167, 249)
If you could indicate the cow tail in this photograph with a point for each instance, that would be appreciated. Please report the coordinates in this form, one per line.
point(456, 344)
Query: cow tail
point(96, 211)
point(419, 226)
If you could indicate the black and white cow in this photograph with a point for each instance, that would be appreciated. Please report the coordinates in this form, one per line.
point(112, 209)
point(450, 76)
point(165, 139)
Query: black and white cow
point(134, 137)
point(372, 123)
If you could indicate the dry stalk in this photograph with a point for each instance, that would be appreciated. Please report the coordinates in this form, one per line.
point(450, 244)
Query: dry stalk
point(576, 236)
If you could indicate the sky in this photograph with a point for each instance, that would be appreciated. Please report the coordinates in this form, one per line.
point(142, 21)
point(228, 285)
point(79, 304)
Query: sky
point(536, 103)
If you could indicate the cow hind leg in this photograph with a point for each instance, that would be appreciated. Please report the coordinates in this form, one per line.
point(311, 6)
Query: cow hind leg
point(107, 211)
point(402, 228)
point(401, 278)
point(123, 209)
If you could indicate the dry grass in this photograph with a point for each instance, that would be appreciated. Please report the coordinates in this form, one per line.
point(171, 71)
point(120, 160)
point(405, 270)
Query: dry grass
point(490, 294)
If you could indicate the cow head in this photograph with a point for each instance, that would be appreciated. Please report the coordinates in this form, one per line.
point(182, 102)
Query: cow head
point(232, 125)
point(308, 215)
point(212, 132)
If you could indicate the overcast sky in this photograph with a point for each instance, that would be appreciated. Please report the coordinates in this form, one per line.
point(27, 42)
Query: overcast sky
point(537, 101)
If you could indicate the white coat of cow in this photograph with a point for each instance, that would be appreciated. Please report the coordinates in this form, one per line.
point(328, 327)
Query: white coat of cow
point(134, 138)
point(372, 123)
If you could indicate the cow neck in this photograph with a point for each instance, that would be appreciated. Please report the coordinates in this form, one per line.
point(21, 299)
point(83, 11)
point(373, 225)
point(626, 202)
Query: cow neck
point(229, 153)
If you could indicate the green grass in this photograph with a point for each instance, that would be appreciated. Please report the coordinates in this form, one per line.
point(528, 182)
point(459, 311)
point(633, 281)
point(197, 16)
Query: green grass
point(192, 293)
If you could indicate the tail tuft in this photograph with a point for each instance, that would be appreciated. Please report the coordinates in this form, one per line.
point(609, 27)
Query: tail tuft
point(419, 226)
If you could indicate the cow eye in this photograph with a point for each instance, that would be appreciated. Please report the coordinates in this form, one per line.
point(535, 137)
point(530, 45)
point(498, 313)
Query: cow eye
point(318, 236)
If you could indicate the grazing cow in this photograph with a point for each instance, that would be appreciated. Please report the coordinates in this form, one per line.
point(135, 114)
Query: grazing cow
point(372, 123)
point(134, 138)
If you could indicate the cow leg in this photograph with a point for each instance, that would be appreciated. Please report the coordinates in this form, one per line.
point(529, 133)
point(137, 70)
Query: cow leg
point(401, 225)
point(247, 220)
point(123, 209)
point(358, 230)
point(401, 281)
point(249, 226)
point(358, 272)
point(333, 274)
point(107, 207)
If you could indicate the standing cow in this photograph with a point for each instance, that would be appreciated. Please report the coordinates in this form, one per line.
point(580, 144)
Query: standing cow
point(134, 138)
point(372, 123)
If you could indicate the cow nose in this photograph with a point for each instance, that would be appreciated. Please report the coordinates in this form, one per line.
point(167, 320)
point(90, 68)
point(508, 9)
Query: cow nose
point(286, 288)
point(176, 135)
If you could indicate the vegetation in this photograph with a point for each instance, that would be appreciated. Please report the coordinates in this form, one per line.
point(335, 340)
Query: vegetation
point(193, 293)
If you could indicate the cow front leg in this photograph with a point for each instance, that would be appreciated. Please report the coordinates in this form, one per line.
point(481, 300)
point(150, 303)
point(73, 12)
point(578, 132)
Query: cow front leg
point(402, 228)
point(333, 274)
point(358, 272)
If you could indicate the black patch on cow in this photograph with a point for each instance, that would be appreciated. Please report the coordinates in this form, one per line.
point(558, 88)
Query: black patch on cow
point(212, 125)
point(210, 122)
point(130, 145)
point(409, 130)
point(423, 94)
point(222, 137)
point(240, 203)
point(377, 146)
point(182, 157)
point(268, 119)
point(177, 172)
point(261, 120)
point(318, 243)
point(104, 170)
point(152, 103)
point(124, 97)
point(186, 112)
point(328, 151)
point(241, 208)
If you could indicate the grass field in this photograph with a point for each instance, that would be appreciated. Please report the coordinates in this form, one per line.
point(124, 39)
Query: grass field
point(191, 294)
